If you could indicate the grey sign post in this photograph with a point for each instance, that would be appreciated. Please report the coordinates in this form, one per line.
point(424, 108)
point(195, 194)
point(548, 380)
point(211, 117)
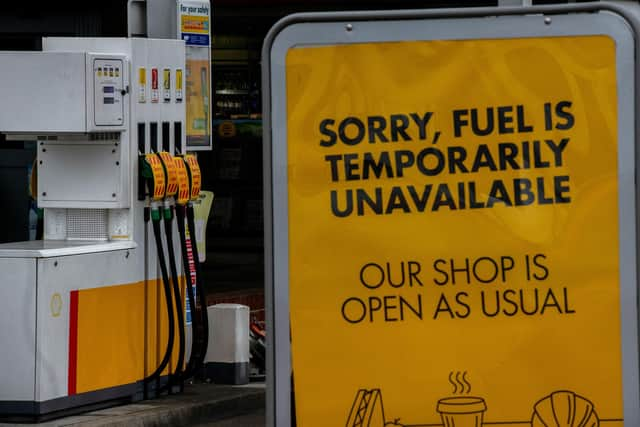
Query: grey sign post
point(616, 20)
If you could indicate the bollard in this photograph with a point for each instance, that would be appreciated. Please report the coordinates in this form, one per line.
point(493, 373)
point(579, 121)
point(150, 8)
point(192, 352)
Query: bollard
point(227, 359)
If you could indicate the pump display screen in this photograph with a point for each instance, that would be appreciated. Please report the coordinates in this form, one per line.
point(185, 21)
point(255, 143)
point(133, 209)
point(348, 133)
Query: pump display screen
point(108, 89)
point(109, 100)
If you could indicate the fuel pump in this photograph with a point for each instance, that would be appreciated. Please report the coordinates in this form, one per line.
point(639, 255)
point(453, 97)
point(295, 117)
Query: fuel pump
point(95, 282)
point(170, 168)
point(185, 213)
point(155, 176)
point(181, 199)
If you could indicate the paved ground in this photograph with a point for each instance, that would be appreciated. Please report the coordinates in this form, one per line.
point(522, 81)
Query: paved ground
point(255, 419)
point(213, 405)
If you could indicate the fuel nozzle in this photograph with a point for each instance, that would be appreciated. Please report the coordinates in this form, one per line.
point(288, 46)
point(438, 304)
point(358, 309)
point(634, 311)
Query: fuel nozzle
point(171, 188)
point(184, 191)
point(154, 175)
point(169, 165)
point(195, 176)
point(171, 170)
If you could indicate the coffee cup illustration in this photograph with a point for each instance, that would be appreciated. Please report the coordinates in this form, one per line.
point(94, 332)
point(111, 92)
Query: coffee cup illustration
point(462, 411)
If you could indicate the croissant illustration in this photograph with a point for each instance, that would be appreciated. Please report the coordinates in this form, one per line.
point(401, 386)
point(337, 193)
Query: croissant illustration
point(564, 409)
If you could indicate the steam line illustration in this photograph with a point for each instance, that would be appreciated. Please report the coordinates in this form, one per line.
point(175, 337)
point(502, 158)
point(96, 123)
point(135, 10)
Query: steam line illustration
point(459, 380)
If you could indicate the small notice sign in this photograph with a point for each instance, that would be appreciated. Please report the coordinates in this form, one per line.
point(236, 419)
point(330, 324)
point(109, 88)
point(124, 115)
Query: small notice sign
point(194, 18)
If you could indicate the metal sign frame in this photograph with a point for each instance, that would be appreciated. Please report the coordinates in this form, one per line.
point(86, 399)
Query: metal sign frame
point(620, 22)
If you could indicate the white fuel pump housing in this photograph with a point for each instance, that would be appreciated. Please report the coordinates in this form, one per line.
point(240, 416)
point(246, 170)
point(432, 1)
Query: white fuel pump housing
point(75, 105)
point(47, 93)
point(87, 292)
point(84, 102)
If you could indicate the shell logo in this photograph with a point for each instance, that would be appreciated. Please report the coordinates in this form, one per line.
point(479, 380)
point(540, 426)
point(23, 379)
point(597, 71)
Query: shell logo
point(56, 305)
point(227, 129)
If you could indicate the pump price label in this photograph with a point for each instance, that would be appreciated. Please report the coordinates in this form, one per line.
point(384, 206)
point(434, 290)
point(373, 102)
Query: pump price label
point(166, 84)
point(155, 94)
point(454, 243)
point(179, 85)
point(142, 85)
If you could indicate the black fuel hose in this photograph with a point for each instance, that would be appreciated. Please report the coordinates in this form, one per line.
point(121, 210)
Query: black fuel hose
point(195, 346)
point(204, 315)
point(168, 228)
point(167, 293)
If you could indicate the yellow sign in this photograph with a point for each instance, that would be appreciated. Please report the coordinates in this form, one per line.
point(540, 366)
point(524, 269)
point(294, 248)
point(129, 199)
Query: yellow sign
point(194, 24)
point(183, 194)
point(159, 176)
point(197, 88)
point(195, 176)
point(453, 232)
point(171, 173)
